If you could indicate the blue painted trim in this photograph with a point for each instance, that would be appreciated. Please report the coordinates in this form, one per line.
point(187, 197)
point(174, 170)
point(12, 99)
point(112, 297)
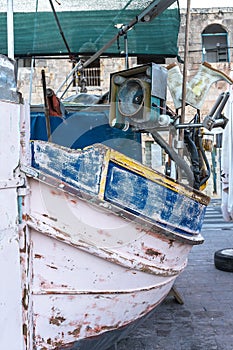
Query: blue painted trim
point(79, 169)
point(126, 189)
point(138, 195)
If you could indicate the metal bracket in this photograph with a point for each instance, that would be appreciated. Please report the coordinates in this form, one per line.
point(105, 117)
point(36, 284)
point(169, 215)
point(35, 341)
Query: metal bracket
point(12, 183)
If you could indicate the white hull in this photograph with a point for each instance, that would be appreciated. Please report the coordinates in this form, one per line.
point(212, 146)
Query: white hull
point(93, 273)
point(76, 295)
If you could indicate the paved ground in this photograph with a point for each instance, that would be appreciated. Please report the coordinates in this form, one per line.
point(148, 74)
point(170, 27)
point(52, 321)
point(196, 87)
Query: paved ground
point(205, 320)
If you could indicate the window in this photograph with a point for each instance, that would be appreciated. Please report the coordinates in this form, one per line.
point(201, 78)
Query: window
point(25, 62)
point(91, 75)
point(215, 44)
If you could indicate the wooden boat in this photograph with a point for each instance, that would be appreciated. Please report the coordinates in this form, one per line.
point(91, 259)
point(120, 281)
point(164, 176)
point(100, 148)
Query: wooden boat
point(92, 240)
point(108, 237)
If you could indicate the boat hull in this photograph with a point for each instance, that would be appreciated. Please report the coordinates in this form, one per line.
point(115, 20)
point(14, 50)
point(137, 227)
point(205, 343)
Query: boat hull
point(95, 275)
point(77, 295)
point(94, 263)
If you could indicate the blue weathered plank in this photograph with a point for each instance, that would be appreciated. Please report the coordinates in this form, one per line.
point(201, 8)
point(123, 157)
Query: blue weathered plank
point(142, 196)
point(81, 169)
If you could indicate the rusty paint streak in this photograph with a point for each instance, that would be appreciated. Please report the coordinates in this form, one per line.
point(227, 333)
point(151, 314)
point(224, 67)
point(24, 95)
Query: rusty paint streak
point(100, 329)
point(73, 201)
point(52, 267)
point(103, 293)
point(49, 217)
point(152, 252)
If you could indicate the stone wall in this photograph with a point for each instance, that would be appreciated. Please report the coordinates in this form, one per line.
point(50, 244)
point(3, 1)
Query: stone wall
point(199, 20)
point(30, 79)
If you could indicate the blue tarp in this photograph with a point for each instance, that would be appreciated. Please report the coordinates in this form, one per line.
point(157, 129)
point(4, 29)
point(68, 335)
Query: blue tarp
point(81, 129)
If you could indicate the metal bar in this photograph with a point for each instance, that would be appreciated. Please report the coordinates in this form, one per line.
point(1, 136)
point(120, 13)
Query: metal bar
point(10, 29)
point(185, 65)
point(173, 155)
point(46, 108)
point(162, 6)
point(215, 34)
point(31, 79)
point(153, 10)
point(222, 105)
point(147, 10)
point(60, 28)
point(216, 105)
point(182, 117)
point(187, 125)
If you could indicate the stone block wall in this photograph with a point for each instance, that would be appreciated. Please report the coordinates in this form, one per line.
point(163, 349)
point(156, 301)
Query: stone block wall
point(199, 20)
point(30, 80)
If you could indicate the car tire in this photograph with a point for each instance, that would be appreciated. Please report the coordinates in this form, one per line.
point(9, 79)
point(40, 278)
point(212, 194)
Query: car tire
point(223, 259)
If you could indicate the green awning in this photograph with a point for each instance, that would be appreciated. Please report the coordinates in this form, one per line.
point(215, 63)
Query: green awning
point(37, 33)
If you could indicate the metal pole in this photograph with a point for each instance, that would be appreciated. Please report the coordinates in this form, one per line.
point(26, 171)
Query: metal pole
point(31, 79)
point(10, 29)
point(185, 64)
point(126, 51)
point(60, 28)
point(46, 107)
point(182, 117)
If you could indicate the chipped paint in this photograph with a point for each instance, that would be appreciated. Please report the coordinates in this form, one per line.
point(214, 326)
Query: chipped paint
point(124, 183)
point(113, 268)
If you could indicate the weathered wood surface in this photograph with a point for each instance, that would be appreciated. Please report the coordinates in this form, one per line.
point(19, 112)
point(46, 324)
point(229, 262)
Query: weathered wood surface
point(117, 179)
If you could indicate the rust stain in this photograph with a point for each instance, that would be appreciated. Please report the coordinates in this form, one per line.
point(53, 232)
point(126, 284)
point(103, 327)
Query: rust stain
point(99, 329)
point(55, 193)
point(76, 331)
point(24, 217)
point(152, 252)
point(23, 233)
point(171, 243)
point(25, 329)
point(49, 341)
point(25, 298)
point(74, 201)
point(102, 232)
point(57, 320)
point(38, 256)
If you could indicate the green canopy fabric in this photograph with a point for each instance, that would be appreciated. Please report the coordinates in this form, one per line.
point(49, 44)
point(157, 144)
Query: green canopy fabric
point(37, 33)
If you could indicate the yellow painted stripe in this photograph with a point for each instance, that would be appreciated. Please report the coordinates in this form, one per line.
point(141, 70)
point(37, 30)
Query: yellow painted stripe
point(104, 173)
